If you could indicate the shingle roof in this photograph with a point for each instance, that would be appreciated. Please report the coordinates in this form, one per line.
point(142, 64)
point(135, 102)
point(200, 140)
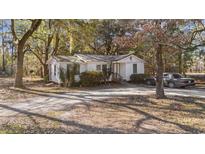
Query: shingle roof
point(79, 58)
point(106, 58)
point(71, 59)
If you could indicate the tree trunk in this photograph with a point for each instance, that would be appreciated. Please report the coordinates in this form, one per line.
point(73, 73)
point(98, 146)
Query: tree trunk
point(41, 72)
point(71, 43)
point(159, 78)
point(12, 59)
point(57, 40)
point(19, 67)
point(3, 59)
point(45, 65)
point(180, 62)
point(3, 53)
point(165, 63)
point(20, 47)
point(45, 70)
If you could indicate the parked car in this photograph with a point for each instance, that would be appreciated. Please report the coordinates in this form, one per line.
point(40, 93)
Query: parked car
point(150, 81)
point(172, 80)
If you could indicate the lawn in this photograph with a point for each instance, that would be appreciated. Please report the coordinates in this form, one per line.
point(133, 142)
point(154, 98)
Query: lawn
point(122, 114)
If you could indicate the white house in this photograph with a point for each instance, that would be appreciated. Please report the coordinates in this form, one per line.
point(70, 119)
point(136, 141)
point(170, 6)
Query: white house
point(121, 65)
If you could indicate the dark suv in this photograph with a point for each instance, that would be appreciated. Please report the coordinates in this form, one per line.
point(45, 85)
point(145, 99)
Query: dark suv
point(172, 80)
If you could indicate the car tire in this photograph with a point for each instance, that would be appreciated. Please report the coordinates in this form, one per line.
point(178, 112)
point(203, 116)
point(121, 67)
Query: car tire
point(171, 85)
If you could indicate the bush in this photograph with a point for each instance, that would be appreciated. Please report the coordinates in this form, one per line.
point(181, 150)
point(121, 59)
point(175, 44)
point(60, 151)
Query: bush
point(46, 78)
point(75, 84)
point(67, 77)
point(91, 78)
point(138, 78)
point(72, 71)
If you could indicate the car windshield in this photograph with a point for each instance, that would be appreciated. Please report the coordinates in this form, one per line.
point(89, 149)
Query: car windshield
point(165, 75)
point(177, 76)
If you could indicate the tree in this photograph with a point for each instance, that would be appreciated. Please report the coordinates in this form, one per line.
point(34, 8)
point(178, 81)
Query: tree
point(20, 45)
point(40, 44)
point(6, 46)
point(110, 33)
point(166, 44)
point(163, 36)
point(3, 50)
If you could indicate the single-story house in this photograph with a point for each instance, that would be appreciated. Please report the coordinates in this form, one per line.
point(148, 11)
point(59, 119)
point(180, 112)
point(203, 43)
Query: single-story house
point(122, 65)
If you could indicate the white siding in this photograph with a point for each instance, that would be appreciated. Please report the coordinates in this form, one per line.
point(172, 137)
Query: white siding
point(123, 70)
point(131, 59)
point(63, 66)
point(55, 77)
point(140, 68)
point(83, 68)
point(129, 70)
point(126, 68)
point(92, 66)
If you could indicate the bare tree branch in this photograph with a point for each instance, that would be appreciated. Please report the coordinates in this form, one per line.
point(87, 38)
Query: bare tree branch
point(13, 30)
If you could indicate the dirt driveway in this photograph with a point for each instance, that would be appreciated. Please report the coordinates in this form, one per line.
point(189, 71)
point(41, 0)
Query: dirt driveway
point(45, 101)
point(125, 109)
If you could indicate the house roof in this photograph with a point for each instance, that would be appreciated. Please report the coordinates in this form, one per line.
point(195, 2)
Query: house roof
point(71, 59)
point(79, 58)
point(106, 58)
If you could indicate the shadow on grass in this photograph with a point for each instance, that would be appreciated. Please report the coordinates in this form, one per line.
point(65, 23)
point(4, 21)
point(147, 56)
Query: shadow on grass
point(149, 116)
point(84, 128)
point(136, 108)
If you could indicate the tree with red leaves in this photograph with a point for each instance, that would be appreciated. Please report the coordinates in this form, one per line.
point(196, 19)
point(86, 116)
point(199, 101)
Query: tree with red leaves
point(163, 36)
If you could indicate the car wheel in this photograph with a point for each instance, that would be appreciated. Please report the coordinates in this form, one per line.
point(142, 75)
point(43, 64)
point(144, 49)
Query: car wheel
point(171, 85)
point(149, 82)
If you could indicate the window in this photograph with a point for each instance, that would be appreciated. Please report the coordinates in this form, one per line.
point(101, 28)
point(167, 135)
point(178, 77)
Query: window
point(98, 67)
point(54, 70)
point(134, 68)
point(165, 75)
point(177, 76)
point(104, 67)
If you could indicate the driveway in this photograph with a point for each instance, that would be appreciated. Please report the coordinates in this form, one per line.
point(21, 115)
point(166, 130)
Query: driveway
point(46, 102)
point(124, 109)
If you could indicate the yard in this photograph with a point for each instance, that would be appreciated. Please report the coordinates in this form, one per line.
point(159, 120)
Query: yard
point(47, 108)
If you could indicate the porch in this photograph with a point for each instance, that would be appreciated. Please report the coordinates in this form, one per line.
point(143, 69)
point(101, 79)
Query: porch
point(123, 71)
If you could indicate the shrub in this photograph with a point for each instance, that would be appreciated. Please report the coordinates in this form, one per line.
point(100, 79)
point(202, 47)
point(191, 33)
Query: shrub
point(75, 84)
point(72, 71)
point(138, 78)
point(46, 78)
point(91, 78)
point(67, 77)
